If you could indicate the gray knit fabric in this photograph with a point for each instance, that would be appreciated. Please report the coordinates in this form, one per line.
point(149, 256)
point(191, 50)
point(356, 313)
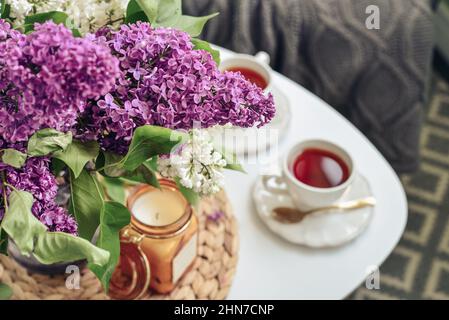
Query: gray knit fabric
point(376, 78)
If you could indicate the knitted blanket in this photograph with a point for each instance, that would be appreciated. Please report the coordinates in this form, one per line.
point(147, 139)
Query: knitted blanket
point(375, 77)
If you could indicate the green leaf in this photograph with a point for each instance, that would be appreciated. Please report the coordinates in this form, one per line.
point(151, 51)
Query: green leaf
point(30, 236)
point(192, 25)
point(168, 9)
point(134, 13)
point(76, 33)
point(235, 167)
point(3, 242)
point(150, 7)
point(110, 164)
point(57, 166)
point(5, 292)
point(55, 16)
point(204, 45)
point(14, 158)
point(132, 8)
point(155, 11)
point(191, 196)
point(167, 13)
point(149, 141)
point(231, 161)
point(86, 202)
point(152, 163)
point(115, 189)
point(114, 217)
point(138, 16)
point(19, 223)
point(28, 28)
point(113, 164)
point(5, 9)
point(55, 247)
point(78, 154)
point(143, 174)
point(47, 141)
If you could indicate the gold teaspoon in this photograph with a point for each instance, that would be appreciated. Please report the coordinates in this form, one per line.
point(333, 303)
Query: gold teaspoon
point(293, 215)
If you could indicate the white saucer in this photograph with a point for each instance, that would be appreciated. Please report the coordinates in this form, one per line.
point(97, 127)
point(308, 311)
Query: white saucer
point(252, 140)
point(318, 230)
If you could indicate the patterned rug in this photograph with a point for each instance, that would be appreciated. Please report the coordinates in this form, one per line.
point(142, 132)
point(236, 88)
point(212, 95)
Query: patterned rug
point(419, 266)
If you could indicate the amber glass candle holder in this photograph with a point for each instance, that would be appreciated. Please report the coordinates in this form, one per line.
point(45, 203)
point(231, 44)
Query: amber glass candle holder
point(159, 245)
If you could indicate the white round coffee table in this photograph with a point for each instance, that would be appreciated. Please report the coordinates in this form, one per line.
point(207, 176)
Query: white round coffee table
point(271, 268)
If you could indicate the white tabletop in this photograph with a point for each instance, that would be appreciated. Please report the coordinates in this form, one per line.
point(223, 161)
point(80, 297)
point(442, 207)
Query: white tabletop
point(271, 268)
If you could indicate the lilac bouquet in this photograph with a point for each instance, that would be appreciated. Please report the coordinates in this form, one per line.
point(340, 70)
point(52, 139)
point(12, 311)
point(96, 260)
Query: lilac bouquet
point(124, 103)
point(165, 82)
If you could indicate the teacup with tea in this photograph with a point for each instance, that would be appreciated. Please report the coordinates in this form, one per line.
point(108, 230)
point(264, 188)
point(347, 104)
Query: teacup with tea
point(309, 203)
point(317, 173)
point(255, 69)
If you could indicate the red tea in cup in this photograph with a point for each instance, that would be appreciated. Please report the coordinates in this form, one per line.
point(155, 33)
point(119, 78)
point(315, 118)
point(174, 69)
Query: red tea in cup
point(251, 76)
point(320, 168)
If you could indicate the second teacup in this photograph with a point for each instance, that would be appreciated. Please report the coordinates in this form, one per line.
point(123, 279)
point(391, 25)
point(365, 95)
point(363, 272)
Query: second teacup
point(256, 68)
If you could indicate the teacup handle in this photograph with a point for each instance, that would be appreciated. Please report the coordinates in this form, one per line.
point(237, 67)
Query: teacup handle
point(274, 184)
point(263, 57)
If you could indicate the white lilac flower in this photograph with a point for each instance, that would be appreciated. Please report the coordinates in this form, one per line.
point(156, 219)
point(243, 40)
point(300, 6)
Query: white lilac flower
point(19, 9)
point(196, 164)
point(86, 15)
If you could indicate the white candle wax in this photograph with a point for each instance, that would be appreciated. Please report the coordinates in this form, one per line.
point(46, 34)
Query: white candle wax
point(159, 207)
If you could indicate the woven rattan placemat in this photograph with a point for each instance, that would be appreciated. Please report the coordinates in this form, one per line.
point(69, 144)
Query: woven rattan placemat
point(210, 277)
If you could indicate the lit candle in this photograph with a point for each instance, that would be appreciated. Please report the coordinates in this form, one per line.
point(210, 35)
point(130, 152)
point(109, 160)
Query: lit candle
point(162, 240)
point(159, 207)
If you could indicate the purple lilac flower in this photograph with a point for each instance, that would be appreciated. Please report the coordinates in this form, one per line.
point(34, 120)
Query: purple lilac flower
point(47, 77)
point(165, 82)
point(35, 177)
point(216, 216)
point(5, 30)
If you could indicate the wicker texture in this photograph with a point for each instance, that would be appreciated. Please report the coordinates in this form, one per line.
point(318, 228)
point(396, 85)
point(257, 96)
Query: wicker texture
point(210, 277)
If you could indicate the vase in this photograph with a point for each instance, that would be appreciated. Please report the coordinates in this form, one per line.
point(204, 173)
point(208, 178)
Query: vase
point(34, 266)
